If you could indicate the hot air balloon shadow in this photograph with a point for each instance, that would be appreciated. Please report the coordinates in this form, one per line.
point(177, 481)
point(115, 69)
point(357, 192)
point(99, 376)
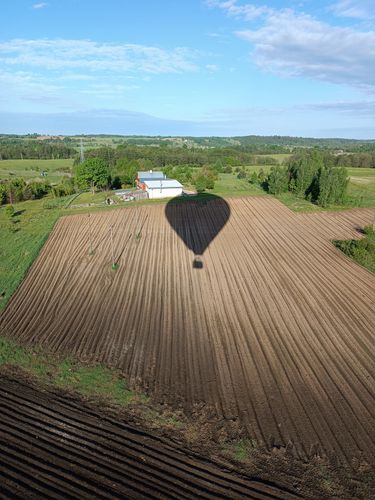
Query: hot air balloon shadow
point(197, 221)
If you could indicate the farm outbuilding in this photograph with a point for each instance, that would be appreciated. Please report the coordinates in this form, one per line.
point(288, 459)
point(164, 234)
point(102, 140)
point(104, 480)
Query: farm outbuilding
point(164, 188)
point(150, 175)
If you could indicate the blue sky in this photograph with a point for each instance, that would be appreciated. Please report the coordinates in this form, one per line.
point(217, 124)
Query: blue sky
point(188, 67)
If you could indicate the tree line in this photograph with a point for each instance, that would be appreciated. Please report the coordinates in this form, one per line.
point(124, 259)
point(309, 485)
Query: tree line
point(310, 176)
point(36, 150)
point(96, 173)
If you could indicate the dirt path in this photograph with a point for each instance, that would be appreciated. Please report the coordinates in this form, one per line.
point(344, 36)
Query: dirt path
point(276, 331)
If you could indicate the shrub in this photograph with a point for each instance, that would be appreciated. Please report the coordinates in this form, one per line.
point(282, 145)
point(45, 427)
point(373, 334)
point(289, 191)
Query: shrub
point(9, 211)
point(253, 178)
point(3, 194)
point(369, 231)
point(200, 183)
point(64, 188)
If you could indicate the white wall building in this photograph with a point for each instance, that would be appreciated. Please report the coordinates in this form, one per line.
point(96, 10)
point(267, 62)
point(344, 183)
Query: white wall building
point(164, 188)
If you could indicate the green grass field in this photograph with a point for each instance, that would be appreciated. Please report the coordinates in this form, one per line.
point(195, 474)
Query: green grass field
point(31, 169)
point(229, 185)
point(96, 198)
point(361, 190)
point(22, 236)
point(280, 157)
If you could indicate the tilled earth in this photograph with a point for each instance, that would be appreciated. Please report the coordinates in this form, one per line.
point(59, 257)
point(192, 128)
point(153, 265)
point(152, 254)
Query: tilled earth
point(55, 447)
point(275, 331)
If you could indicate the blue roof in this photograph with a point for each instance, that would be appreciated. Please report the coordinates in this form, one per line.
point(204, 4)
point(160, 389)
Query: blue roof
point(150, 176)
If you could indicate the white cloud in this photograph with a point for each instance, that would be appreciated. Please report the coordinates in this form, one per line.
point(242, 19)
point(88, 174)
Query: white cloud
point(40, 5)
point(299, 45)
point(212, 67)
point(247, 11)
point(22, 81)
point(94, 56)
point(360, 9)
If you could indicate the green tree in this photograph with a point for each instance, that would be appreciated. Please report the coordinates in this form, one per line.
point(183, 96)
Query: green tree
point(278, 180)
point(200, 183)
point(218, 166)
point(64, 188)
point(333, 183)
point(127, 170)
point(302, 169)
point(92, 173)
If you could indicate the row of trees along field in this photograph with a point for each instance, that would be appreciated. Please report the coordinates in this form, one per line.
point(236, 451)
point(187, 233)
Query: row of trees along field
point(36, 150)
point(245, 151)
point(160, 157)
point(310, 175)
point(97, 173)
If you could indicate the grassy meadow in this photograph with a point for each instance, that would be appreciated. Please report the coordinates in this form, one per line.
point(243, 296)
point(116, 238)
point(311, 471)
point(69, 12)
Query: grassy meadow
point(22, 237)
point(30, 170)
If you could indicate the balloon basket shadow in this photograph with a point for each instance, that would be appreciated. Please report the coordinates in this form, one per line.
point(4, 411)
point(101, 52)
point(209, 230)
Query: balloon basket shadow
point(197, 263)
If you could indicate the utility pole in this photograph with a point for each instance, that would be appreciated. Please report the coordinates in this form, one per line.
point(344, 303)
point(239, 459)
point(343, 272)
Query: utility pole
point(81, 152)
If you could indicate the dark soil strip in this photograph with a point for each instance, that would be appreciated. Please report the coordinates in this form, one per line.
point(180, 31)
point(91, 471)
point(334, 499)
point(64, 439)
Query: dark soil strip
point(51, 447)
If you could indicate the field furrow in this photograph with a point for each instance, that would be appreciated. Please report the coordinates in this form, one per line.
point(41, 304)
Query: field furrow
point(51, 447)
point(275, 331)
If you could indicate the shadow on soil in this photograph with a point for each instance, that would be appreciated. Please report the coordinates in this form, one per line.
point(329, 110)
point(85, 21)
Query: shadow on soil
point(198, 220)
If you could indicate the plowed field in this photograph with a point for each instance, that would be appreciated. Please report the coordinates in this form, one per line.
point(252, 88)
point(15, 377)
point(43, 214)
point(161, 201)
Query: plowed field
point(52, 447)
point(276, 330)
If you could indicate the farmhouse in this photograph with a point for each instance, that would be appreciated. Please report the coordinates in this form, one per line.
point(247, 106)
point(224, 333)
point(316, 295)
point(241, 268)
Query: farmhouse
point(163, 188)
point(150, 175)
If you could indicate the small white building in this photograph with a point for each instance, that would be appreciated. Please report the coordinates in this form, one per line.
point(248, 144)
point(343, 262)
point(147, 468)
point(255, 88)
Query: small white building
point(142, 177)
point(163, 188)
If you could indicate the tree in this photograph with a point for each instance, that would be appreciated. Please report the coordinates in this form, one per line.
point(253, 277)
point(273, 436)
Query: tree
point(333, 183)
point(127, 171)
point(15, 190)
point(64, 188)
point(242, 174)
point(92, 173)
point(200, 183)
point(302, 170)
point(210, 175)
point(278, 180)
point(262, 176)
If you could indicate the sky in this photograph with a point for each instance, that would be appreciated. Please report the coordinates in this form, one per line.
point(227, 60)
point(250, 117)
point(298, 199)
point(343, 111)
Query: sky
point(188, 67)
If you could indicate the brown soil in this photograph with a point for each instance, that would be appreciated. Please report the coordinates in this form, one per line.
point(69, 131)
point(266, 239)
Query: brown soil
point(54, 446)
point(274, 333)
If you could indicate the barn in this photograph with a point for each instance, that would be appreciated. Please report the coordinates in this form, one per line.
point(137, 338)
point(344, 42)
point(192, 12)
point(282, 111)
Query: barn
point(164, 188)
point(150, 175)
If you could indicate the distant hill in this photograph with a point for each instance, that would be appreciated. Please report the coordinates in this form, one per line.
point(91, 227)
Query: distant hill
point(251, 143)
